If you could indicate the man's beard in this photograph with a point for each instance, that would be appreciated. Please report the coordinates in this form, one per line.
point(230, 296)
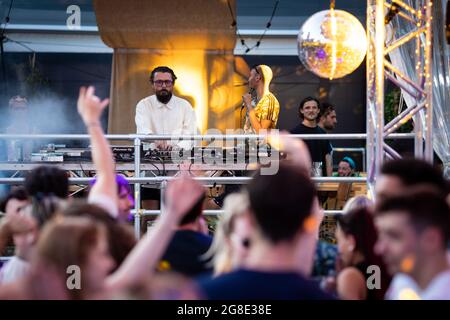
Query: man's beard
point(311, 117)
point(164, 96)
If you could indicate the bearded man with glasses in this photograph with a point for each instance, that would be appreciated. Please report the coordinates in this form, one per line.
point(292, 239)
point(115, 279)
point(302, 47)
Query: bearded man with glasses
point(165, 113)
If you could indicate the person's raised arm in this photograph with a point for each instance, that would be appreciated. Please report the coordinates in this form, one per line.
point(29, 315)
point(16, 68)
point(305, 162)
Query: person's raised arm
point(14, 223)
point(181, 195)
point(90, 108)
point(296, 150)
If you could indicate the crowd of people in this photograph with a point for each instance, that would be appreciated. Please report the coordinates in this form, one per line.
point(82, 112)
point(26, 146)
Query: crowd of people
point(265, 245)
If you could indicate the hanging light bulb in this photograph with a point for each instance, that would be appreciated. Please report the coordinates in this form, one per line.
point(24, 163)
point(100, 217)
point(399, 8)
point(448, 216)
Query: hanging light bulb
point(332, 43)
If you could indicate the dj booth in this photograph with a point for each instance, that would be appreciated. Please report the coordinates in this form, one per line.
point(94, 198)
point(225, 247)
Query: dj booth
point(226, 161)
point(198, 158)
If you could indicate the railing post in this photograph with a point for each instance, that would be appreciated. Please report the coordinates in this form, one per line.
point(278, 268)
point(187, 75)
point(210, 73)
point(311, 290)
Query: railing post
point(137, 188)
point(162, 189)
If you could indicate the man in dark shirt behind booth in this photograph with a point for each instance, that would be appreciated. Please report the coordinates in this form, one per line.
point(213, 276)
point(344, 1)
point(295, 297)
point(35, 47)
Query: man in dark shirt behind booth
point(320, 150)
point(185, 252)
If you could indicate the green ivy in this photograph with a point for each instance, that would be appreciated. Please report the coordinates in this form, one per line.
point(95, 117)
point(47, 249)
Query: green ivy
point(211, 221)
point(34, 80)
point(391, 108)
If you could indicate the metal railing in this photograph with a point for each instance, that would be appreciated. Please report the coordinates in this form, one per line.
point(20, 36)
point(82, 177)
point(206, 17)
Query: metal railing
point(327, 136)
point(203, 180)
point(162, 180)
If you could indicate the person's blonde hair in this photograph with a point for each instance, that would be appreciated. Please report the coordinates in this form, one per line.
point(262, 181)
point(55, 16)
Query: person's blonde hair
point(358, 202)
point(235, 205)
point(67, 241)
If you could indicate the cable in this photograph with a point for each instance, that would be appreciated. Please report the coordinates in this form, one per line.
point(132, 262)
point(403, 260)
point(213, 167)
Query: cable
point(233, 24)
point(6, 19)
point(2, 51)
point(154, 158)
point(189, 169)
point(20, 44)
point(163, 165)
point(154, 165)
point(160, 159)
point(84, 172)
point(258, 42)
point(269, 24)
point(87, 73)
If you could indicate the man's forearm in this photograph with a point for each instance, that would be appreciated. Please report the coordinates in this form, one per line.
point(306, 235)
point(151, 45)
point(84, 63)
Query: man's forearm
point(90, 108)
point(144, 257)
point(102, 158)
point(254, 120)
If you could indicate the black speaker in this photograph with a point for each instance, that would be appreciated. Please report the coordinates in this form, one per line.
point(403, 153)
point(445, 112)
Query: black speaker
point(447, 22)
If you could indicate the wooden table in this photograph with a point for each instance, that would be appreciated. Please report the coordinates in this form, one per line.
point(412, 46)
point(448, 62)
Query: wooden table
point(334, 195)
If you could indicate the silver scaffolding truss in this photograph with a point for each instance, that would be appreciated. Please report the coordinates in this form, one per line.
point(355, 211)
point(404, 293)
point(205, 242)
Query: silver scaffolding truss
point(379, 68)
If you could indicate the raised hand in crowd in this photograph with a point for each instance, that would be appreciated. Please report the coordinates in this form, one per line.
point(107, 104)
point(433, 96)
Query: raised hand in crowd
point(13, 223)
point(181, 195)
point(104, 192)
point(90, 107)
point(296, 150)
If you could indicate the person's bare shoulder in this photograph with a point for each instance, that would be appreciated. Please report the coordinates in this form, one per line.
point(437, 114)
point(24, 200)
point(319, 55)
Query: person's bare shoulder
point(351, 284)
point(13, 291)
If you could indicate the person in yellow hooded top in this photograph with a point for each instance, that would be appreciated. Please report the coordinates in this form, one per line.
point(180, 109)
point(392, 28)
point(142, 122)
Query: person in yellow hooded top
point(262, 113)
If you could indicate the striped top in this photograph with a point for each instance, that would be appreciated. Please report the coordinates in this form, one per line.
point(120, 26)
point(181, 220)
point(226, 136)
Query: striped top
point(268, 108)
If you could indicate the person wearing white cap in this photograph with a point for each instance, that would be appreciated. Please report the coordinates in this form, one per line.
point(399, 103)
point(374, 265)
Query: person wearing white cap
point(262, 112)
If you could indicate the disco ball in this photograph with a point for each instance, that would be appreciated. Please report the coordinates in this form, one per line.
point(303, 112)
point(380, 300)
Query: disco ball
point(332, 43)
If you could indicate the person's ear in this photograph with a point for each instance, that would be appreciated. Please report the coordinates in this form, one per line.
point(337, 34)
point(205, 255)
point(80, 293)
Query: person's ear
point(351, 242)
point(431, 239)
